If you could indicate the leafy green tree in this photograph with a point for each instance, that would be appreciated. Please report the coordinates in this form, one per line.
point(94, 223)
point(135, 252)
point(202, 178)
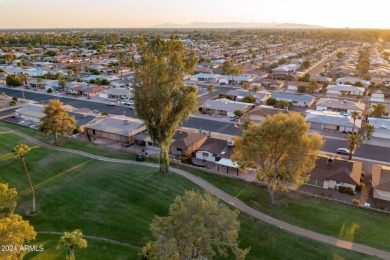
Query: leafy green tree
point(301, 89)
point(71, 240)
point(198, 226)
point(369, 129)
point(20, 150)
point(70, 74)
point(210, 89)
point(305, 78)
point(56, 120)
point(306, 64)
point(249, 99)
point(13, 229)
point(161, 98)
point(271, 101)
point(378, 110)
point(13, 80)
point(340, 55)
point(60, 76)
point(279, 150)
point(282, 104)
point(245, 85)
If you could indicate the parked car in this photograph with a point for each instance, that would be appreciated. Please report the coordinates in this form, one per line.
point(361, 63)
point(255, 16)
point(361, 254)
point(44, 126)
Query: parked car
point(111, 103)
point(127, 102)
point(96, 111)
point(344, 151)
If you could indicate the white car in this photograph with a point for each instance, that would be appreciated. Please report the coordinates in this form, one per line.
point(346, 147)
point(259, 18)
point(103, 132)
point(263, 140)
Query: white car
point(111, 103)
point(128, 102)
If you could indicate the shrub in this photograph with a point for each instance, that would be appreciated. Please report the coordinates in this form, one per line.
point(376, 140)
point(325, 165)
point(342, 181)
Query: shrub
point(271, 101)
point(363, 174)
point(104, 114)
point(356, 201)
point(347, 190)
point(49, 90)
point(222, 95)
point(12, 103)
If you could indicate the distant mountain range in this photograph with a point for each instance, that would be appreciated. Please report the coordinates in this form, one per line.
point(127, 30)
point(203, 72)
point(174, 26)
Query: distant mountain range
point(236, 25)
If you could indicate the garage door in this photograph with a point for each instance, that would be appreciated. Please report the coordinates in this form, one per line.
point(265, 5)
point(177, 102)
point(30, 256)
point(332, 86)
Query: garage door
point(316, 126)
point(330, 127)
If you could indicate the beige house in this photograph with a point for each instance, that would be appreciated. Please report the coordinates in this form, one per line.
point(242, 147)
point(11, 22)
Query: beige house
point(381, 182)
point(120, 129)
point(331, 173)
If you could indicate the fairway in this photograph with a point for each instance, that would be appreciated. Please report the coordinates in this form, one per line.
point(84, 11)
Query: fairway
point(118, 202)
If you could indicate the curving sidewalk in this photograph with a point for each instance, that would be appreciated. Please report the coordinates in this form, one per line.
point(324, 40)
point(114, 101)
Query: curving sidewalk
point(228, 199)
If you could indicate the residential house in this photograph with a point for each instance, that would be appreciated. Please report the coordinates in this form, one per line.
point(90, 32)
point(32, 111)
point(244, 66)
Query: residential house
point(325, 120)
point(353, 80)
point(119, 129)
point(185, 143)
point(116, 93)
point(286, 68)
point(34, 112)
point(336, 105)
point(211, 149)
point(258, 114)
point(331, 173)
point(377, 96)
point(339, 90)
point(223, 107)
point(300, 100)
point(382, 127)
point(238, 95)
point(271, 84)
point(205, 77)
point(381, 182)
point(88, 90)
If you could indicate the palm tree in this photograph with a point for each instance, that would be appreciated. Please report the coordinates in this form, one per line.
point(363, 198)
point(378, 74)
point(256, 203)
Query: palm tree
point(354, 141)
point(369, 128)
point(255, 88)
point(354, 115)
point(20, 150)
point(378, 110)
point(70, 240)
point(210, 89)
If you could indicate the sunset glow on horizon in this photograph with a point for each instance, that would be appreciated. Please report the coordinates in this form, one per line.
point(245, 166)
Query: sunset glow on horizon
point(126, 14)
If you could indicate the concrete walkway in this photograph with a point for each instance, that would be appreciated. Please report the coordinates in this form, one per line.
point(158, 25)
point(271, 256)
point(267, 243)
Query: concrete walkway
point(228, 199)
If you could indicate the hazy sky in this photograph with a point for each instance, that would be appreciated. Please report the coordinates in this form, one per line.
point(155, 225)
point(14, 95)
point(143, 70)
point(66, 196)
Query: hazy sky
point(145, 13)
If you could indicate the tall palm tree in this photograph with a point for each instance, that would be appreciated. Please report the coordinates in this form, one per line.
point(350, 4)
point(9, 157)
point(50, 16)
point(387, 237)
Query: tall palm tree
point(378, 110)
point(354, 141)
point(354, 115)
point(70, 240)
point(369, 128)
point(20, 150)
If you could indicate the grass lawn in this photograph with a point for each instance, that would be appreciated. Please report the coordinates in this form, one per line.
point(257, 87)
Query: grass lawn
point(96, 250)
point(119, 201)
point(344, 222)
point(74, 144)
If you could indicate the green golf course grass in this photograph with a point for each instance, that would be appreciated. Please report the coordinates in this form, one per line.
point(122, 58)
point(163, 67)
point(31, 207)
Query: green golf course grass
point(118, 202)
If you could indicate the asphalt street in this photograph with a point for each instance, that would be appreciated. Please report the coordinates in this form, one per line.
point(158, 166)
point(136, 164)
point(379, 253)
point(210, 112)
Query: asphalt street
point(364, 151)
